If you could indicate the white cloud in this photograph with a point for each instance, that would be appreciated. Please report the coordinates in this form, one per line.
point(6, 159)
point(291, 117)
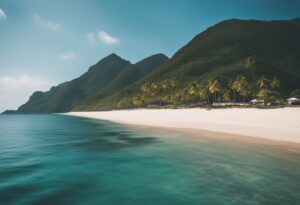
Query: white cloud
point(68, 56)
point(15, 90)
point(107, 39)
point(2, 14)
point(91, 38)
point(50, 25)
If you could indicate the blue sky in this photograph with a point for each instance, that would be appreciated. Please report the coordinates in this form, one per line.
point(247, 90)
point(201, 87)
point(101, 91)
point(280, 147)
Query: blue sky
point(45, 42)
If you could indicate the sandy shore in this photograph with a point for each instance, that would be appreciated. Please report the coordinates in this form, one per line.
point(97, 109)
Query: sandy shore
point(276, 124)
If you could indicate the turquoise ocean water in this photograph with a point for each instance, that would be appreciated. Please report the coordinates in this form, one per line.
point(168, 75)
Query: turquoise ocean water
point(53, 159)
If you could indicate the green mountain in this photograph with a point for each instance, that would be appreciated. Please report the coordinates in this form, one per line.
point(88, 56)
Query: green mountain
point(103, 79)
point(221, 53)
point(126, 77)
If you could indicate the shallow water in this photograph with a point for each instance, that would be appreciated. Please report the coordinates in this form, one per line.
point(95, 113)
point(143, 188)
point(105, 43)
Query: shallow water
point(53, 159)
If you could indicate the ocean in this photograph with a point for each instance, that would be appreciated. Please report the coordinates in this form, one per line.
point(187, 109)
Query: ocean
point(57, 159)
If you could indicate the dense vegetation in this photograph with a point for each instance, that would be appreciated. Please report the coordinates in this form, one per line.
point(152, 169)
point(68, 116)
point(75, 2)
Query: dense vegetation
point(239, 91)
point(244, 50)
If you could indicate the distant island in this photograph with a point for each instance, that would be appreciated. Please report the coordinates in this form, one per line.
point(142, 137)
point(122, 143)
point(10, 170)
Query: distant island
point(233, 63)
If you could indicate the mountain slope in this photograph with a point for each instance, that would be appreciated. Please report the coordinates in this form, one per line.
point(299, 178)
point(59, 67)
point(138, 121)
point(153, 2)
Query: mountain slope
point(124, 78)
point(220, 53)
point(107, 76)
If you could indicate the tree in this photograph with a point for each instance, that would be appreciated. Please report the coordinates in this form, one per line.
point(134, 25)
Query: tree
point(154, 91)
point(165, 88)
point(176, 99)
point(145, 87)
point(214, 88)
point(167, 99)
point(204, 94)
point(263, 95)
point(262, 81)
point(226, 96)
point(275, 83)
point(232, 86)
point(137, 101)
point(241, 86)
point(164, 84)
point(193, 89)
point(123, 104)
point(179, 97)
point(184, 95)
point(172, 83)
point(146, 91)
point(250, 65)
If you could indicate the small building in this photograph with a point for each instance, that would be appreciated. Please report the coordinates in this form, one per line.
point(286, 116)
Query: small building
point(293, 101)
point(257, 102)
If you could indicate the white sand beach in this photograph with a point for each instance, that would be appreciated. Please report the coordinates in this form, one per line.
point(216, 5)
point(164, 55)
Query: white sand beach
point(281, 124)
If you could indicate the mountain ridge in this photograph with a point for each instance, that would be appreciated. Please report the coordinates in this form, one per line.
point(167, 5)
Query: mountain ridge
point(66, 96)
point(219, 52)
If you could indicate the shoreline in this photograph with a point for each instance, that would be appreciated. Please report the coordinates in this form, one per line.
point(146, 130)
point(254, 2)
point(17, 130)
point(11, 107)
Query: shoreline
point(217, 137)
point(281, 125)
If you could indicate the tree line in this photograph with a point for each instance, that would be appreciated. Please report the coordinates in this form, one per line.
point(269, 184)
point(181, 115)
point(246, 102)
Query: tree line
point(240, 90)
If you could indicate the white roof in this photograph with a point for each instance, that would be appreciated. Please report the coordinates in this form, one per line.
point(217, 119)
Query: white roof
point(255, 100)
point(293, 99)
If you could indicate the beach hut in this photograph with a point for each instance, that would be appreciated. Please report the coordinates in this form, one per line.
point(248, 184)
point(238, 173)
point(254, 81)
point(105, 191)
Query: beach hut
point(293, 101)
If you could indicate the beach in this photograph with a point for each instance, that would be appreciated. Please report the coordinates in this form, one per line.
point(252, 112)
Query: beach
point(281, 124)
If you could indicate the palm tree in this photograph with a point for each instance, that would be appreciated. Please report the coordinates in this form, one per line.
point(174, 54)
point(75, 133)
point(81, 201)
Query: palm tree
point(237, 85)
point(226, 96)
point(263, 94)
point(204, 94)
point(163, 89)
point(250, 65)
point(154, 91)
point(164, 84)
point(218, 90)
point(262, 81)
point(210, 86)
point(176, 97)
point(167, 99)
point(214, 88)
point(275, 83)
point(146, 90)
point(241, 86)
point(180, 97)
point(137, 101)
point(172, 83)
point(145, 87)
point(167, 87)
point(234, 86)
point(193, 89)
point(168, 84)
